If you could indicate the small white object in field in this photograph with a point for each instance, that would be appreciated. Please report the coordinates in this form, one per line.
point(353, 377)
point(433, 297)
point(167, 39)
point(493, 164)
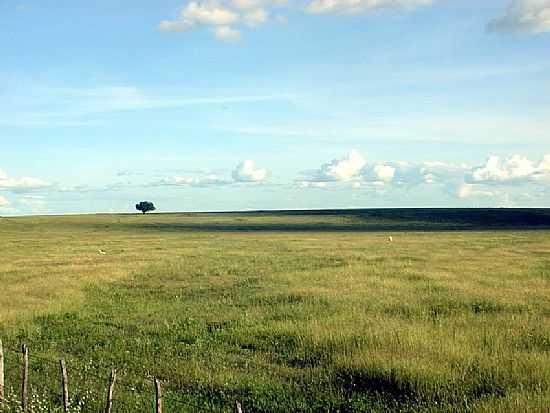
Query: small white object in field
point(101, 252)
point(390, 238)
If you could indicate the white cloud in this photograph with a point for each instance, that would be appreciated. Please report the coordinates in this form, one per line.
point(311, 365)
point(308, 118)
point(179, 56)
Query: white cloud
point(516, 176)
point(5, 205)
point(180, 25)
point(544, 166)
point(511, 170)
point(437, 172)
point(209, 13)
point(256, 17)
point(226, 15)
point(34, 203)
point(532, 16)
point(246, 171)
point(201, 181)
point(59, 107)
point(468, 128)
point(409, 174)
point(384, 173)
point(255, 4)
point(281, 19)
point(358, 6)
point(21, 184)
point(226, 33)
point(369, 184)
point(449, 178)
point(247, 4)
point(356, 170)
point(471, 191)
point(206, 13)
point(311, 184)
point(344, 169)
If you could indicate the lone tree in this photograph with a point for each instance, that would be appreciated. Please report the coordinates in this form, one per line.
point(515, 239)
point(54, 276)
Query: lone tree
point(145, 206)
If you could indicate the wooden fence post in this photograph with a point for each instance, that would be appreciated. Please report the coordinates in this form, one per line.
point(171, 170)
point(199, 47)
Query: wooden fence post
point(1, 372)
point(25, 378)
point(239, 406)
point(64, 385)
point(158, 396)
point(112, 381)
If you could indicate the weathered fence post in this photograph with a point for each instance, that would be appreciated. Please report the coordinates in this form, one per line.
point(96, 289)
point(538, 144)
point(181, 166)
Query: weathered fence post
point(1, 372)
point(158, 396)
point(239, 406)
point(112, 381)
point(64, 385)
point(25, 378)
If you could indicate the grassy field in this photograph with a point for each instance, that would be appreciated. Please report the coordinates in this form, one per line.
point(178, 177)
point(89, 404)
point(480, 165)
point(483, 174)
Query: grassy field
point(301, 312)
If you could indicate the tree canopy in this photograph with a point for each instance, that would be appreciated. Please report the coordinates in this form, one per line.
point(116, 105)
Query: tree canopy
point(145, 206)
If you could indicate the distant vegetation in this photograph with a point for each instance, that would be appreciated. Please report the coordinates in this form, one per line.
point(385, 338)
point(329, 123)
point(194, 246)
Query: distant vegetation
point(145, 206)
point(288, 312)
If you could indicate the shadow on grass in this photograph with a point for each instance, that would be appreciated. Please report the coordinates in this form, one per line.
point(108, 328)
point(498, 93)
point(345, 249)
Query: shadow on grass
point(362, 220)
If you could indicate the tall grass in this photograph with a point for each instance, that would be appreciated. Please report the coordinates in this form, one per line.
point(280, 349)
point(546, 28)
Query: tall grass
point(310, 320)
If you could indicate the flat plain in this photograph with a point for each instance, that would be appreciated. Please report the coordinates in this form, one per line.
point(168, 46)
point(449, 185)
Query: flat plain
point(304, 311)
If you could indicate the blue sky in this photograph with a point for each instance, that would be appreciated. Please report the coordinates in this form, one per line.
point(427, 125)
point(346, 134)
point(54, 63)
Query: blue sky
point(258, 104)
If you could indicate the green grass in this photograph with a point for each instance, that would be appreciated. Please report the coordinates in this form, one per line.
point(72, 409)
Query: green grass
point(286, 312)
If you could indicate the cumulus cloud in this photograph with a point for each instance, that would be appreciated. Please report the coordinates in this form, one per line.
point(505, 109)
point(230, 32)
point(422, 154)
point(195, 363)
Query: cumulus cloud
point(209, 13)
point(225, 17)
point(378, 174)
point(21, 184)
point(226, 33)
point(221, 16)
point(4, 201)
point(514, 169)
point(452, 179)
point(532, 16)
point(343, 169)
point(358, 6)
point(384, 173)
point(361, 174)
point(246, 171)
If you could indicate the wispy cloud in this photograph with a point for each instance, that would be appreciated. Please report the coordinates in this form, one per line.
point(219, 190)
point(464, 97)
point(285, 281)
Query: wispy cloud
point(120, 98)
point(464, 128)
point(226, 33)
point(359, 6)
point(531, 16)
point(66, 107)
point(21, 184)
